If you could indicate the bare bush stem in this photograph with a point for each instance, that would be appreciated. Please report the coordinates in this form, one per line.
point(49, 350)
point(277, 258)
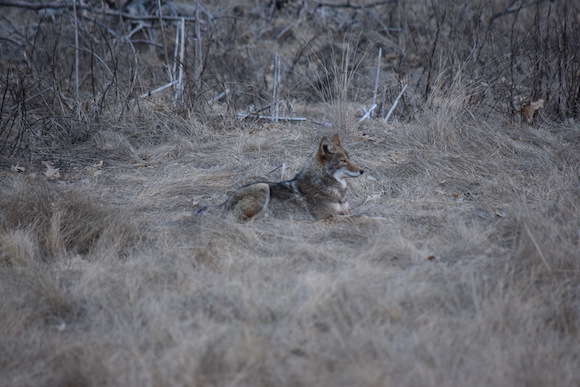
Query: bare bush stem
point(511, 9)
point(163, 38)
point(439, 23)
point(275, 92)
point(41, 6)
point(198, 46)
point(378, 73)
point(262, 117)
point(35, 7)
point(76, 21)
point(348, 4)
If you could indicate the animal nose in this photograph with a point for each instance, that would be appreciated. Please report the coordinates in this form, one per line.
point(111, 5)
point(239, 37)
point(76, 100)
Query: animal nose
point(362, 171)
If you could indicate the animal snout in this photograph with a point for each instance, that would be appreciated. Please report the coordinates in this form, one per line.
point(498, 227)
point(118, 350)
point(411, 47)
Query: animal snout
point(355, 173)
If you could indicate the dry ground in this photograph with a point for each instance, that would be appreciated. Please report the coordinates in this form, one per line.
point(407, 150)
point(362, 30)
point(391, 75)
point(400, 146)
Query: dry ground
point(460, 268)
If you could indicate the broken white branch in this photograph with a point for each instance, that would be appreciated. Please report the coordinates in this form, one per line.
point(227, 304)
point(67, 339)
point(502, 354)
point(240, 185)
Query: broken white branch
point(150, 93)
point(373, 102)
point(179, 87)
point(368, 113)
point(221, 95)
point(395, 103)
point(138, 28)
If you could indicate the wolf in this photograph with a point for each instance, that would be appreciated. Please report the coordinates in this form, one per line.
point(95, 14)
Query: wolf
point(318, 191)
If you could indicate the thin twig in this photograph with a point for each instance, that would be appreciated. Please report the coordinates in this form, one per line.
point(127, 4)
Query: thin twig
point(143, 41)
point(439, 25)
point(182, 55)
point(165, 57)
point(29, 98)
point(145, 95)
point(511, 9)
point(259, 116)
point(175, 50)
point(395, 103)
point(275, 94)
point(76, 51)
point(368, 112)
point(221, 95)
point(38, 7)
point(147, 17)
point(373, 102)
point(198, 45)
point(348, 4)
point(537, 248)
point(139, 27)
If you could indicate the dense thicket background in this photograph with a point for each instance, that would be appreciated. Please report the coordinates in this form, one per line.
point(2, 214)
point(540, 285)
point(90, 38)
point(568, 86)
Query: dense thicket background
point(65, 76)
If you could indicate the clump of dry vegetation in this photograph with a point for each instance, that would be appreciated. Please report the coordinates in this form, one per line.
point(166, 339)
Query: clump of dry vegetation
point(459, 267)
point(43, 224)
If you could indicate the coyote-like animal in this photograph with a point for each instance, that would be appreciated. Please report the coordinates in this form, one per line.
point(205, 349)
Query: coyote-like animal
point(317, 192)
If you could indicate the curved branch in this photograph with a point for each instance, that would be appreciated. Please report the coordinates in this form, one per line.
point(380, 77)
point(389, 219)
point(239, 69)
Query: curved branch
point(38, 7)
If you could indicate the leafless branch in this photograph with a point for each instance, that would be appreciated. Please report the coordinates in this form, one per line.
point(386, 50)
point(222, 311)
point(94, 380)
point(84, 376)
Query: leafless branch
point(40, 6)
point(511, 8)
point(348, 4)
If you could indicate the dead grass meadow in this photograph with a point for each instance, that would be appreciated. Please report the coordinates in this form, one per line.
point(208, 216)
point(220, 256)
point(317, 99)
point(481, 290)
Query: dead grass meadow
point(459, 267)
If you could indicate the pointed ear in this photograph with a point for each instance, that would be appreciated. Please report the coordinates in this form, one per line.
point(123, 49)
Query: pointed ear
point(336, 139)
point(326, 146)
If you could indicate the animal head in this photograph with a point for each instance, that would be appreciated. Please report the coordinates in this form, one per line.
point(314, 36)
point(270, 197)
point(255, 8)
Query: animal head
point(335, 159)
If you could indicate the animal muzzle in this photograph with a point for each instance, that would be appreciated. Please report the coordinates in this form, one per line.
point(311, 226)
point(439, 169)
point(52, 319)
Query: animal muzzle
point(355, 173)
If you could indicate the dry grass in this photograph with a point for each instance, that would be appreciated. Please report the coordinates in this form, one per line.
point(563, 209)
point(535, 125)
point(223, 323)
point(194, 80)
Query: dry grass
point(463, 272)
point(459, 267)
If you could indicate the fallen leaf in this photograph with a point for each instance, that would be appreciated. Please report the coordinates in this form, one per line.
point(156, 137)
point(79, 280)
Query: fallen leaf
point(529, 110)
